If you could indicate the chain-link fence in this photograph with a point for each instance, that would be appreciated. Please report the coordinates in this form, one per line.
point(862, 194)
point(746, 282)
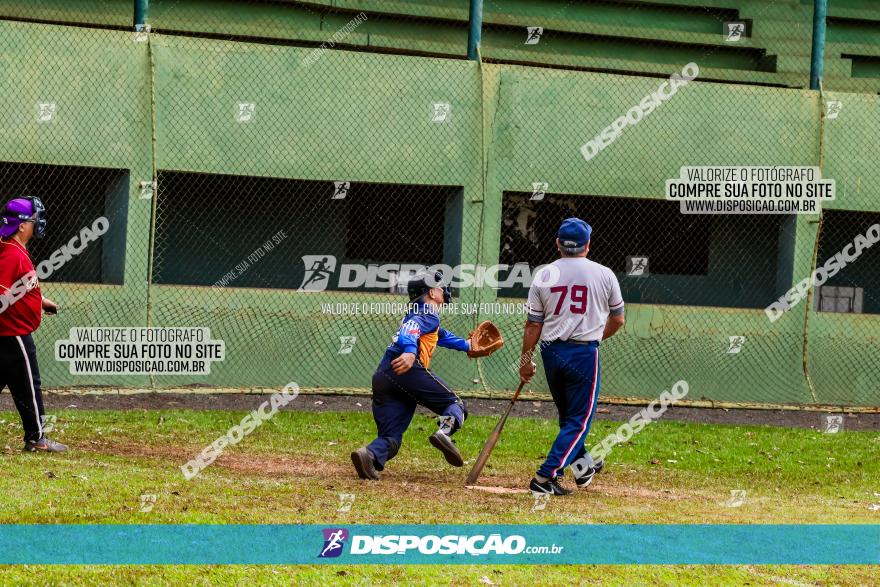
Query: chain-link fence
point(276, 171)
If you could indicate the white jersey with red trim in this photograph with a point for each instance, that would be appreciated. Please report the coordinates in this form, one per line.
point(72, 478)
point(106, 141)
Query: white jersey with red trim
point(576, 306)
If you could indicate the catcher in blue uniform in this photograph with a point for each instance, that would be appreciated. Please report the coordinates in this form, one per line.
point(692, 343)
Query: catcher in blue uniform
point(404, 379)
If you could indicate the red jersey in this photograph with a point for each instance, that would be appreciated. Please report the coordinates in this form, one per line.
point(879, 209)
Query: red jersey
point(21, 300)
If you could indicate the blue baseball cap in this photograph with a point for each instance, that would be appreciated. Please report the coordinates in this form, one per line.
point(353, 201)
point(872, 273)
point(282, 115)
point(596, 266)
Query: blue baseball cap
point(573, 235)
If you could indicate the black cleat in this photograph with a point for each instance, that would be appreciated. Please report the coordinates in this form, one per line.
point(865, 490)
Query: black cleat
point(44, 445)
point(550, 487)
point(364, 464)
point(444, 444)
point(598, 466)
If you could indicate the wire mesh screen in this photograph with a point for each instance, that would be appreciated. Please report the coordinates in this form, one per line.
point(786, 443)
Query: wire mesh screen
point(695, 260)
point(75, 132)
point(840, 329)
point(277, 171)
point(77, 197)
point(207, 224)
point(299, 188)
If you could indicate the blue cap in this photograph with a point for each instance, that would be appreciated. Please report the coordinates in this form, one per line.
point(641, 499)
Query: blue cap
point(573, 235)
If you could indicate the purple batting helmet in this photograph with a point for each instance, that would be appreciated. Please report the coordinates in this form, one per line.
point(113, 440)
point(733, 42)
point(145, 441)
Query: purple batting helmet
point(19, 210)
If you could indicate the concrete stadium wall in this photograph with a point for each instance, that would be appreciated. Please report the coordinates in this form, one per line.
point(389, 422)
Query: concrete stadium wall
point(503, 115)
point(632, 36)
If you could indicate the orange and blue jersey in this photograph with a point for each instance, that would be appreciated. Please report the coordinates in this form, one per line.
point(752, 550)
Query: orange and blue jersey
point(395, 397)
point(420, 333)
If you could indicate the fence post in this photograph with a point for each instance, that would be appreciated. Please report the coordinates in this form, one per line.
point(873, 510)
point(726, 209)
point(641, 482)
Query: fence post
point(140, 14)
point(476, 28)
point(820, 11)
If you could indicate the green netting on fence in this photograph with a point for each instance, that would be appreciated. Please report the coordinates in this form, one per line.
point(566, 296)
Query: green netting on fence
point(239, 149)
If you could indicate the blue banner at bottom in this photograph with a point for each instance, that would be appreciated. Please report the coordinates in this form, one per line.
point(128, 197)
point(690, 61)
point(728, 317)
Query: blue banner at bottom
point(440, 544)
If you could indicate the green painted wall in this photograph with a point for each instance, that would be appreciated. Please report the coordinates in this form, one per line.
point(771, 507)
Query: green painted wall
point(644, 37)
point(99, 81)
point(366, 117)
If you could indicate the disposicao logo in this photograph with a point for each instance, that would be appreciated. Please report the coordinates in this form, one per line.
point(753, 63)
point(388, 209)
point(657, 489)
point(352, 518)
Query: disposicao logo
point(409, 544)
point(334, 540)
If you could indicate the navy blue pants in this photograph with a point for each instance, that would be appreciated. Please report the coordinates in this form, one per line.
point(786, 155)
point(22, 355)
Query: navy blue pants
point(395, 398)
point(572, 371)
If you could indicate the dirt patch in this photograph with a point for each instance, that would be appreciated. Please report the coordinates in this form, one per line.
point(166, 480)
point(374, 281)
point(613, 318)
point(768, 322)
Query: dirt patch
point(634, 492)
point(495, 489)
point(281, 466)
point(162, 451)
point(299, 467)
point(355, 403)
point(269, 465)
point(603, 484)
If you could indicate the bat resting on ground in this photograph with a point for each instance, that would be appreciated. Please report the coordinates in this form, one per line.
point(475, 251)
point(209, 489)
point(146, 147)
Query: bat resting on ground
point(492, 441)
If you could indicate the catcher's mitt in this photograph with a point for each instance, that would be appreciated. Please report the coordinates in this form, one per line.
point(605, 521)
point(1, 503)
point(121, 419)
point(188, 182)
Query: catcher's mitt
point(485, 340)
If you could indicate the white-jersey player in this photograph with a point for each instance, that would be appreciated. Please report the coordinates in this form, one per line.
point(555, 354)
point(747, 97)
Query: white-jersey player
point(574, 304)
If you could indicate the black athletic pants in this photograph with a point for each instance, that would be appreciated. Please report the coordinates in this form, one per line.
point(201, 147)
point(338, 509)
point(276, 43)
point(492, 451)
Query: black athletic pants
point(19, 372)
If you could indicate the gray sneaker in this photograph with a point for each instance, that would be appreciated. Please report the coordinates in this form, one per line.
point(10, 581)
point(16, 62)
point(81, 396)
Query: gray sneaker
point(364, 464)
point(44, 445)
point(584, 481)
point(441, 441)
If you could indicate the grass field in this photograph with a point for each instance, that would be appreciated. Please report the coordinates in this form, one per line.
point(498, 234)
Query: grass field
point(293, 468)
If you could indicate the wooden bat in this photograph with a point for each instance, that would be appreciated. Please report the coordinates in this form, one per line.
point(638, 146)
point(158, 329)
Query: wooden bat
point(492, 441)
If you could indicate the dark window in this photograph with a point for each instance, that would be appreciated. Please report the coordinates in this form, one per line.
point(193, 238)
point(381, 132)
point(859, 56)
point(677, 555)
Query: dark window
point(621, 227)
point(396, 223)
point(839, 229)
point(699, 260)
point(209, 227)
point(74, 198)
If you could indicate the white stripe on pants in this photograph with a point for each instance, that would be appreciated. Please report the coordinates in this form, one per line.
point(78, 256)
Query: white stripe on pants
point(30, 375)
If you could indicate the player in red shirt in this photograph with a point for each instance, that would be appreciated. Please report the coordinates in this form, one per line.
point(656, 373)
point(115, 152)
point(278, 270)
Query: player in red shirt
point(21, 310)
